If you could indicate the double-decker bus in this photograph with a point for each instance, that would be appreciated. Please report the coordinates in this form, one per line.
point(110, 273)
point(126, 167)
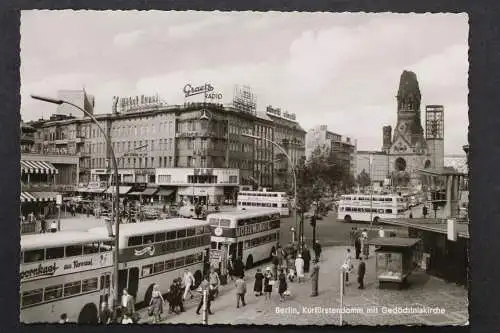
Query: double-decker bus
point(64, 272)
point(363, 207)
point(264, 199)
point(158, 252)
point(251, 236)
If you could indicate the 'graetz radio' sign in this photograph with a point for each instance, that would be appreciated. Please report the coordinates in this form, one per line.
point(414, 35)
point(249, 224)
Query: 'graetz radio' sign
point(207, 89)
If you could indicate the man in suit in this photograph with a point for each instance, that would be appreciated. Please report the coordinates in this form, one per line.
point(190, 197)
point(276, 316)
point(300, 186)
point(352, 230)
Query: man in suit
point(127, 303)
point(361, 273)
point(241, 289)
point(205, 285)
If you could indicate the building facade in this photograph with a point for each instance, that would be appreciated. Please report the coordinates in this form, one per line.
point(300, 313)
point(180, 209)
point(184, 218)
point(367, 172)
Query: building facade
point(78, 97)
point(155, 135)
point(329, 142)
point(377, 169)
point(291, 137)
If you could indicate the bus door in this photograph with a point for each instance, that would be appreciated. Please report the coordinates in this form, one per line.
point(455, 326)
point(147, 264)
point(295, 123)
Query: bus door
point(133, 281)
point(105, 288)
point(239, 250)
point(122, 280)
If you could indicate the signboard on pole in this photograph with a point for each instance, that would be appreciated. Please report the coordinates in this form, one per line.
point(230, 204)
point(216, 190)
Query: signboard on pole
point(59, 199)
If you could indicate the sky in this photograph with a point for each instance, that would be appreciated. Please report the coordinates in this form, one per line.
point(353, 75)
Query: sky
point(337, 69)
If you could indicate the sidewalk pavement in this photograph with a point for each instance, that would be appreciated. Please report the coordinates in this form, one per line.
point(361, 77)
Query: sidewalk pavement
point(301, 309)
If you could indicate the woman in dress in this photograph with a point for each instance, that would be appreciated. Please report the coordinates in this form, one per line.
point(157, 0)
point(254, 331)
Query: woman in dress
point(156, 303)
point(268, 287)
point(283, 285)
point(257, 287)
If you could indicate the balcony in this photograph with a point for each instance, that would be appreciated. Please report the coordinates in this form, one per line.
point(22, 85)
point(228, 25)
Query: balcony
point(43, 187)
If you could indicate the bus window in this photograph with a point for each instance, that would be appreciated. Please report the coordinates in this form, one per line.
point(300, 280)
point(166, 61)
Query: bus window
point(225, 222)
point(147, 270)
point(74, 250)
point(54, 253)
point(169, 265)
point(148, 239)
point(135, 240)
point(72, 288)
point(32, 297)
point(213, 245)
point(190, 259)
point(160, 237)
point(159, 267)
point(190, 232)
point(106, 246)
point(89, 285)
point(213, 221)
point(199, 230)
point(34, 255)
point(52, 292)
point(206, 229)
point(171, 235)
point(90, 248)
point(179, 262)
point(388, 211)
point(181, 233)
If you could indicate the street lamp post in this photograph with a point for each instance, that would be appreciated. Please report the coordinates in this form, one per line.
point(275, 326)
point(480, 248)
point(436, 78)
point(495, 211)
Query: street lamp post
point(117, 188)
point(293, 172)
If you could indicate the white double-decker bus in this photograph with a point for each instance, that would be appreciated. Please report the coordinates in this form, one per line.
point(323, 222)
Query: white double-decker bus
point(251, 236)
point(158, 252)
point(264, 199)
point(363, 207)
point(64, 272)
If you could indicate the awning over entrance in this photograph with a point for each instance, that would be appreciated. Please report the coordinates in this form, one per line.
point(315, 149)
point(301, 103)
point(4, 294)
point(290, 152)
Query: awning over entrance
point(150, 191)
point(134, 193)
point(38, 167)
point(27, 197)
point(91, 190)
point(46, 196)
point(123, 189)
point(164, 192)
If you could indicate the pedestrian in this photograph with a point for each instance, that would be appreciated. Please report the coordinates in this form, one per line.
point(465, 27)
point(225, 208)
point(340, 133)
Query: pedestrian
point(241, 289)
point(361, 273)
point(127, 303)
point(214, 280)
point(357, 246)
point(230, 268)
point(238, 268)
point(43, 225)
point(63, 319)
point(317, 250)
point(425, 211)
point(170, 297)
point(188, 282)
point(205, 286)
point(53, 226)
point(299, 268)
point(156, 304)
point(280, 254)
point(315, 278)
point(290, 267)
point(348, 264)
point(178, 294)
point(282, 285)
point(306, 255)
point(275, 262)
point(268, 283)
point(366, 246)
point(257, 286)
point(105, 315)
point(381, 232)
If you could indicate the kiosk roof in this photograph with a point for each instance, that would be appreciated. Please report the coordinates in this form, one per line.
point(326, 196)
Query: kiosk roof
point(394, 241)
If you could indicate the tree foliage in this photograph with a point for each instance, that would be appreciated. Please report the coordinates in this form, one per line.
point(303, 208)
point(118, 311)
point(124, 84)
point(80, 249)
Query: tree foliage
point(363, 179)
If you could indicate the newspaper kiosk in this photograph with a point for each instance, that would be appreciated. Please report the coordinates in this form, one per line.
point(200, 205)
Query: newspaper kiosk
point(395, 260)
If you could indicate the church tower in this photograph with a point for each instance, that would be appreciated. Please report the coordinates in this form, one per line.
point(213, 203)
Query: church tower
point(434, 134)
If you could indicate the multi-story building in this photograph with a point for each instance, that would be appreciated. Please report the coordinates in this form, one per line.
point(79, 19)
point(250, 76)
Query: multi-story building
point(44, 175)
point(329, 142)
point(152, 136)
point(375, 164)
point(77, 97)
point(291, 137)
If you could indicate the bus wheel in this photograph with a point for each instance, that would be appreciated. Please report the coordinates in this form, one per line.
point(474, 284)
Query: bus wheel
point(148, 294)
point(348, 219)
point(376, 219)
point(89, 315)
point(249, 262)
point(197, 278)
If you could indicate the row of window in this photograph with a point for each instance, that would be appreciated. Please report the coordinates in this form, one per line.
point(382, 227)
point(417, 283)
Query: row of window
point(262, 204)
point(368, 210)
point(170, 235)
point(60, 252)
point(141, 130)
point(170, 265)
point(260, 241)
point(59, 291)
point(368, 199)
point(263, 194)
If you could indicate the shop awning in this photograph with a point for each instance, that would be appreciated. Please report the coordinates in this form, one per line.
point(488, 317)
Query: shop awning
point(122, 189)
point(394, 241)
point(90, 190)
point(38, 167)
point(45, 196)
point(164, 192)
point(27, 197)
point(134, 193)
point(150, 191)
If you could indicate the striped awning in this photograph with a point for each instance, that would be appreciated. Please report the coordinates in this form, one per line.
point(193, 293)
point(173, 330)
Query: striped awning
point(38, 167)
point(27, 197)
point(122, 189)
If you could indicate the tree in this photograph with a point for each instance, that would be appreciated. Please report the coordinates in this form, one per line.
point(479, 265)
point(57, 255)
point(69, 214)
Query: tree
point(363, 179)
point(332, 170)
